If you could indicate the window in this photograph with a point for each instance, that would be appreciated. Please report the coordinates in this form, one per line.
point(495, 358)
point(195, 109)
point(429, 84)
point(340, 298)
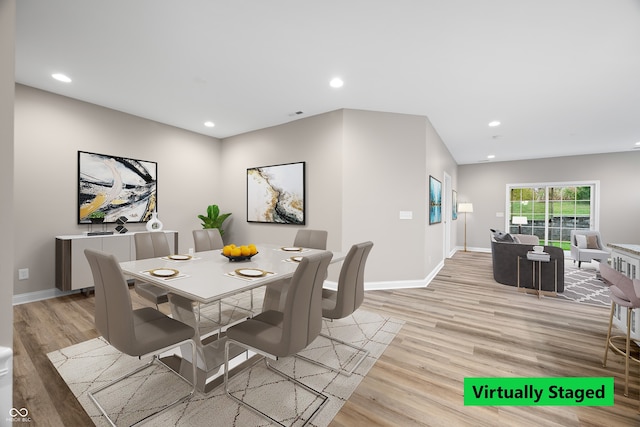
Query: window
point(553, 210)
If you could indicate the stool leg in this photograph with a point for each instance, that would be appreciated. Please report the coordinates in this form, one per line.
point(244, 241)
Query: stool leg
point(627, 354)
point(606, 344)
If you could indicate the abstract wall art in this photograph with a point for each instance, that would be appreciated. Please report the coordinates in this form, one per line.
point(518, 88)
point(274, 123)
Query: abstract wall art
point(276, 194)
point(435, 201)
point(117, 186)
point(454, 205)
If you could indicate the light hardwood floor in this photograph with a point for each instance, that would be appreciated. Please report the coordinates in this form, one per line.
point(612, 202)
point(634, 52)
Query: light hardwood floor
point(462, 325)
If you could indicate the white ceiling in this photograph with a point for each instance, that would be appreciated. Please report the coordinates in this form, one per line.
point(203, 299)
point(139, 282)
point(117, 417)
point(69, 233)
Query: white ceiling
point(563, 76)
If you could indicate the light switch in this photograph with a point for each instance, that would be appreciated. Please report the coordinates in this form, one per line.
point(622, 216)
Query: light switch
point(406, 214)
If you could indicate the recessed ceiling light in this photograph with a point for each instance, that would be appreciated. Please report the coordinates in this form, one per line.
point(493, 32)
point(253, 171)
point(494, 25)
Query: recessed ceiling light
point(494, 123)
point(336, 82)
point(209, 124)
point(61, 77)
point(638, 143)
point(491, 156)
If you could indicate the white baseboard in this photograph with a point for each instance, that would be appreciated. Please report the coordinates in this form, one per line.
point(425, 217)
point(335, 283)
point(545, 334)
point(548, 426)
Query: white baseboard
point(395, 284)
point(473, 249)
point(40, 295)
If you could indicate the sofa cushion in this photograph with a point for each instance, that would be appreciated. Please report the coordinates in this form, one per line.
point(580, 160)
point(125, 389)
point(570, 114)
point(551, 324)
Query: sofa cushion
point(581, 241)
point(592, 242)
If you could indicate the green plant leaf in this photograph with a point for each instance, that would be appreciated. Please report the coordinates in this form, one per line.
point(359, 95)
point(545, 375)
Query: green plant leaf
point(213, 218)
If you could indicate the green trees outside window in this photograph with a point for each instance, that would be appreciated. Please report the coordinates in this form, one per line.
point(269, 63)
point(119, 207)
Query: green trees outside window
point(552, 211)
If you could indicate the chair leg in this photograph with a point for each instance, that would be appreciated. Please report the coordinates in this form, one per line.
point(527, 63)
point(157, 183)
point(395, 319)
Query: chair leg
point(607, 344)
point(255, 410)
point(155, 358)
point(627, 354)
point(341, 370)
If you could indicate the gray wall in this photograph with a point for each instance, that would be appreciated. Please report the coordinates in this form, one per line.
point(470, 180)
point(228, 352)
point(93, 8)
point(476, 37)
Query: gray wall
point(50, 129)
point(619, 174)
point(385, 173)
point(317, 141)
point(363, 168)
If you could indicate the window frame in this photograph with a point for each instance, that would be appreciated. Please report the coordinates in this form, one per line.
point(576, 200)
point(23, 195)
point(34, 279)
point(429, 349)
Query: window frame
point(594, 206)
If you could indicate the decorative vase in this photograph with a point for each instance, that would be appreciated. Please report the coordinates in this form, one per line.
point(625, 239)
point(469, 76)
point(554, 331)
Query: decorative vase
point(154, 224)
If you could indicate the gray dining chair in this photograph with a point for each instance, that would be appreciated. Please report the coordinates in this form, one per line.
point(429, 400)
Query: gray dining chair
point(315, 239)
point(210, 239)
point(345, 301)
point(139, 332)
point(207, 239)
point(274, 295)
point(151, 244)
point(274, 334)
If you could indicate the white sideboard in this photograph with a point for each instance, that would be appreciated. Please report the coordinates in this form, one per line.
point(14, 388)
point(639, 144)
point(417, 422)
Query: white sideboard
point(72, 268)
point(626, 259)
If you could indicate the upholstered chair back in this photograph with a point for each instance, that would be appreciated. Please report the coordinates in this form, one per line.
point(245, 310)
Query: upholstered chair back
point(207, 239)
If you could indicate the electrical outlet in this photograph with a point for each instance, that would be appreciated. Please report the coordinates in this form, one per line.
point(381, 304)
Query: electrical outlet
point(23, 274)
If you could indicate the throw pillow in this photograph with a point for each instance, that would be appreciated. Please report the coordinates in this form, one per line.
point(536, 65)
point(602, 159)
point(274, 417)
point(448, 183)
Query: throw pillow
point(592, 242)
point(502, 237)
point(581, 241)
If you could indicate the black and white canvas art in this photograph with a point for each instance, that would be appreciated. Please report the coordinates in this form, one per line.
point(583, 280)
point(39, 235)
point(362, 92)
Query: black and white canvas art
point(117, 187)
point(275, 194)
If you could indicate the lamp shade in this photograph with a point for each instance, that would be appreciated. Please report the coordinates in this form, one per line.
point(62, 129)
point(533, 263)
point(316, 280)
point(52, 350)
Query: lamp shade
point(465, 207)
point(519, 220)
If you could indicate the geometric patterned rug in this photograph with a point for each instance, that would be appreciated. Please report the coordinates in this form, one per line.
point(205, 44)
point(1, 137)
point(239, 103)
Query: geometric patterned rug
point(583, 285)
point(87, 365)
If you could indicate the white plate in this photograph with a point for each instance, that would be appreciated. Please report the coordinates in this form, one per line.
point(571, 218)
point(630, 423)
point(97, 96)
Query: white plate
point(296, 258)
point(250, 272)
point(292, 249)
point(163, 272)
point(180, 257)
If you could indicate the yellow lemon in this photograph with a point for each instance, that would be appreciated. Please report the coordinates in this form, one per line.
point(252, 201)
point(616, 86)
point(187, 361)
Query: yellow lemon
point(245, 250)
point(236, 251)
point(253, 249)
point(226, 250)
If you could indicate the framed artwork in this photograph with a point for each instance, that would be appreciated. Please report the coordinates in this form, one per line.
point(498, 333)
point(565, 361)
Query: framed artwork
point(276, 194)
point(454, 205)
point(435, 201)
point(117, 187)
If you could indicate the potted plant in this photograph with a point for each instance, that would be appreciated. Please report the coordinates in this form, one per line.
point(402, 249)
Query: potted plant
point(214, 219)
point(96, 217)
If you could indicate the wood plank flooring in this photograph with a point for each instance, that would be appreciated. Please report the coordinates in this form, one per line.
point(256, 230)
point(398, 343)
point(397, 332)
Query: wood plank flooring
point(463, 325)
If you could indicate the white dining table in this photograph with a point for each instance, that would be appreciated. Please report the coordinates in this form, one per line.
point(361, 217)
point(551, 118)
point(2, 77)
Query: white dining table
point(208, 277)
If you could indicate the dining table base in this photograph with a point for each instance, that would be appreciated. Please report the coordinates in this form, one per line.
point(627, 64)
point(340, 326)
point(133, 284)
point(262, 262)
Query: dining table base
point(213, 376)
point(209, 350)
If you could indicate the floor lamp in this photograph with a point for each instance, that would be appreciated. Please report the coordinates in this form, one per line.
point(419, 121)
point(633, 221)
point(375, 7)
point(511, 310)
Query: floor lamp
point(465, 208)
point(519, 221)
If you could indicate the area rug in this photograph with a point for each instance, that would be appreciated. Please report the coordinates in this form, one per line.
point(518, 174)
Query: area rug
point(87, 365)
point(583, 285)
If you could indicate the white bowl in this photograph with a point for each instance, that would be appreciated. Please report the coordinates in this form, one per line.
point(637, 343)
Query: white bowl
point(538, 248)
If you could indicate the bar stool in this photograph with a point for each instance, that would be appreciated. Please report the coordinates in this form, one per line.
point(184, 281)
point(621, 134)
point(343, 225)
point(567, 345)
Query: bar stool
point(624, 292)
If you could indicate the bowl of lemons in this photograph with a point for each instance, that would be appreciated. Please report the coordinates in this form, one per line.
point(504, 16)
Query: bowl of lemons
point(239, 253)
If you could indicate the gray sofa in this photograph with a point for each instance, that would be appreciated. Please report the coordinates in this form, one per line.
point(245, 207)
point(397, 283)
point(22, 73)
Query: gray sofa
point(505, 250)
